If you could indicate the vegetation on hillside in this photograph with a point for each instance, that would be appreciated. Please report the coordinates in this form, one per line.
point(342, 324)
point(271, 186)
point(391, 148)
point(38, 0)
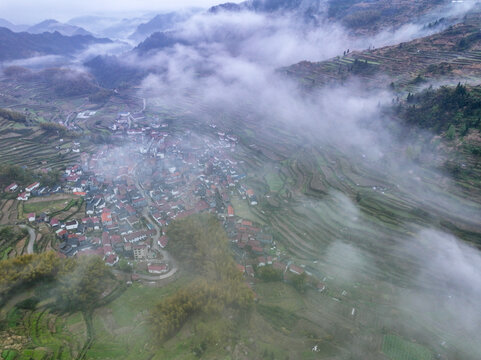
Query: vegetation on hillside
point(77, 283)
point(63, 81)
point(12, 115)
point(53, 128)
point(201, 243)
point(444, 109)
point(9, 237)
point(13, 173)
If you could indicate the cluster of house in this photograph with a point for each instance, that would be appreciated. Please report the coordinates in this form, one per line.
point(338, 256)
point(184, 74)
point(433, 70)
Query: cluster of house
point(113, 226)
point(34, 189)
point(162, 176)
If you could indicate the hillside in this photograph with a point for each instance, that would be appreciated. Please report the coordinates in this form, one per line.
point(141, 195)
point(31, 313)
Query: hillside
point(372, 16)
point(161, 22)
point(358, 15)
point(23, 45)
point(454, 53)
point(59, 82)
point(11, 26)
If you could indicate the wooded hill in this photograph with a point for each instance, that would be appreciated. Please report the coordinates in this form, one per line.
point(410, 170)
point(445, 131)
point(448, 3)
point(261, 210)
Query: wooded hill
point(201, 244)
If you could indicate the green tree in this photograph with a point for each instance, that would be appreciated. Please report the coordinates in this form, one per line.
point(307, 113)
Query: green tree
point(300, 282)
point(450, 134)
point(269, 274)
point(81, 283)
point(124, 266)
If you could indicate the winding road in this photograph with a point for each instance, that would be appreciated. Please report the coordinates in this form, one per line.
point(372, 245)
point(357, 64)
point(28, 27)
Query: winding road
point(155, 242)
point(31, 241)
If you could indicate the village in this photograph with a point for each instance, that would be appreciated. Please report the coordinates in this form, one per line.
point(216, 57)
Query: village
point(132, 192)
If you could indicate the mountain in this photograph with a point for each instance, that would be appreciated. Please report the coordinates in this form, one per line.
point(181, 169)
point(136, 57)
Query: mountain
point(379, 14)
point(111, 27)
point(160, 40)
point(61, 82)
point(11, 26)
point(23, 45)
point(110, 72)
point(162, 22)
point(309, 10)
point(358, 15)
point(53, 25)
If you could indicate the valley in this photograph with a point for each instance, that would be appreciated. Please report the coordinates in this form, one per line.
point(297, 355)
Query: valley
point(323, 210)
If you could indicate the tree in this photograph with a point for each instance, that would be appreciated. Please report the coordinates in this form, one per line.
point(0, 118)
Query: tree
point(81, 283)
point(451, 132)
point(125, 266)
point(269, 274)
point(12, 115)
point(299, 282)
point(51, 127)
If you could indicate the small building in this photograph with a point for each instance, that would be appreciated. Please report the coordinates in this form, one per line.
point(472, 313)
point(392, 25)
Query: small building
point(111, 259)
point(163, 241)
point(32, 187)
point(11, 187)
point(296, 270)
point(261, 261)
point(23, 196)
point(31, 217)
point(230, 211)
point(106, 218)
point(71, 225)
point(140, 251)
point(157, 268)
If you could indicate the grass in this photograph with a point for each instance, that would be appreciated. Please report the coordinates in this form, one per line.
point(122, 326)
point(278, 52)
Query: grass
point(243, 210)
point(45, 206)
point(396, 348)
point(129, 314)
point(274, 181)
point(9, 354)
point(278, 316)
point(280, 295)
point(13, 317)
point(4, 254)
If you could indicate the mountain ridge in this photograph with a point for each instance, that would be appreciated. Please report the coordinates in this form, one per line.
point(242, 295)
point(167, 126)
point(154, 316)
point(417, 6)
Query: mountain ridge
point(24, 45)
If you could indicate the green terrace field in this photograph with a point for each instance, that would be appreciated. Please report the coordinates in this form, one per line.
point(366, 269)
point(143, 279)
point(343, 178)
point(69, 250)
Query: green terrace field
point(32, 147)
point(398, 349)
point(439, 56)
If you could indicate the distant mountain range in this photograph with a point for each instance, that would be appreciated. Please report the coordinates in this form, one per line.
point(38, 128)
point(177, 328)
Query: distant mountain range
point(45, 26)
point(24, 45)
point(361, 15)
point(309, 10)
point(162, 22)
point(111, 27)
point(53, 25)
point(17, 28)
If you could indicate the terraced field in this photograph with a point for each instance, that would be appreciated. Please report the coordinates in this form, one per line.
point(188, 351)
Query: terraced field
point(438, 56)
point(31, 147)
point(347, 218)
point(50, 336)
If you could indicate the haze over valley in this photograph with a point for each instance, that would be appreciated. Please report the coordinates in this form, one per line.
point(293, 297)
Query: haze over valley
point(290, 179)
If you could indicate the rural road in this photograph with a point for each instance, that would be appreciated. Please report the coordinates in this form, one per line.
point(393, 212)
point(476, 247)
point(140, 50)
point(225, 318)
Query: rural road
point(31, 241)
point(155, 244)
